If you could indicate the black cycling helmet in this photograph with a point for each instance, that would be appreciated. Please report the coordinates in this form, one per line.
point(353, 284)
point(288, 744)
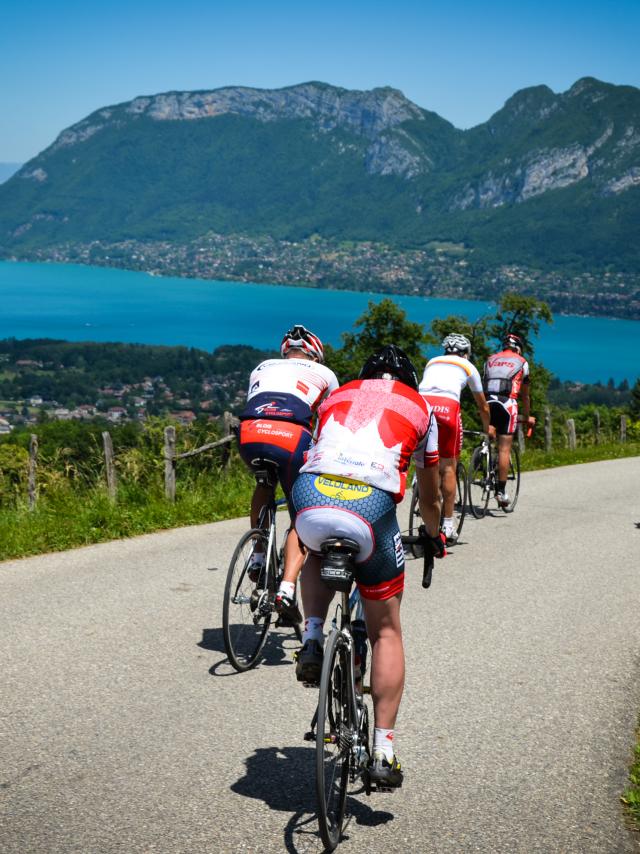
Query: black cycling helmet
point(390, 360)
point(511, 341)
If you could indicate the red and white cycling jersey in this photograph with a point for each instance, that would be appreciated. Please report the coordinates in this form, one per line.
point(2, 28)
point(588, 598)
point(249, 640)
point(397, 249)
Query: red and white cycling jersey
point(504, 374)
point(367, 430)
point(288, 390)
point(446, 376)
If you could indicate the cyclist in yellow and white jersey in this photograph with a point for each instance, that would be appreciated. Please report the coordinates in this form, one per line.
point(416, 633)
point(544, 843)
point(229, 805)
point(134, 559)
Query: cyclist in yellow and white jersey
point(442, 383)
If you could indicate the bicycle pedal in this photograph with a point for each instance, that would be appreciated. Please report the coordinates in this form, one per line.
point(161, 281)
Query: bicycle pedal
point(310, 736)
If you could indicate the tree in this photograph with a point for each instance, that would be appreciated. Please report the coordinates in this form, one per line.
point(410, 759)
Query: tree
point(634, 405)
point(382, 323)
point(477, 333)
point(523, 316)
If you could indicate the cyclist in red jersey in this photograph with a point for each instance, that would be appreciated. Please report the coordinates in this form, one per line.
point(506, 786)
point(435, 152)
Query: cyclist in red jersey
point(355, 474)
point(442, 383)
point(275, 432)
point(506, 377)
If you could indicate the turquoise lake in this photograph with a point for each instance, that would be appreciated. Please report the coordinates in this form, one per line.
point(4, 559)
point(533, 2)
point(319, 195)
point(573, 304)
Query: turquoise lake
point(81, 303)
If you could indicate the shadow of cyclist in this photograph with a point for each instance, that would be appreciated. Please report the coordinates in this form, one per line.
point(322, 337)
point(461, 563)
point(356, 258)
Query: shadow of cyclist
point(277, 651)
point(283, 779)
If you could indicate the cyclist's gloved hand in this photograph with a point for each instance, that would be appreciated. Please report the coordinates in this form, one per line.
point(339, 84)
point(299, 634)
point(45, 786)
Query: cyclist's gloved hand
point(436, 545)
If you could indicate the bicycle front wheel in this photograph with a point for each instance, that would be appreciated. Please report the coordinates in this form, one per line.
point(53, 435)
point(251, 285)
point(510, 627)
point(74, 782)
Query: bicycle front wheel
point(415, 520)
point(460, 506)
point(247, 607)
point(478, 482)
point(513, 479)
point(333, 742)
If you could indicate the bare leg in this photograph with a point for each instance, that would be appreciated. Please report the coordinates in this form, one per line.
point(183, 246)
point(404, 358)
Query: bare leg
point(294, 554)
point(261, 496)
point(316, 596)
point(448, 484)
point(387, 660)
point(504, 451)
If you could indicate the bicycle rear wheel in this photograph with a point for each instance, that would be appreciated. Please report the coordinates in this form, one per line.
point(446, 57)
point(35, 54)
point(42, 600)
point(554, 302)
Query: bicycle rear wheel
point(513, 479)
point(478, 482)
point(415, 520)
point(333, 742)
point(247, 605)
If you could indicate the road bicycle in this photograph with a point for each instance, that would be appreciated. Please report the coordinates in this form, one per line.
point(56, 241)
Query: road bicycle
point(459, 506)
point(483, 476)
point(340, 725)
point(249, 604)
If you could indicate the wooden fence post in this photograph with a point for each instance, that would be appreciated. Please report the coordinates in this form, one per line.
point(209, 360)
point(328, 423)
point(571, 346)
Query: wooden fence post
point(109, 465)
point(623, 428)
point(521, 445)
point(548, 435)
point(596, 426)
point(33, 465)
point(170, 463)
point(228, 421)
point(571, 433)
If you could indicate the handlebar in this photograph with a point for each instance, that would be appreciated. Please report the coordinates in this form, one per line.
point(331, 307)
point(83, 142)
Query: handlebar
point(427, 565)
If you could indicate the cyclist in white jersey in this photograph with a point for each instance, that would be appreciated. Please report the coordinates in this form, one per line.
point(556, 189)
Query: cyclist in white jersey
point(275, 433)
point(442, 383)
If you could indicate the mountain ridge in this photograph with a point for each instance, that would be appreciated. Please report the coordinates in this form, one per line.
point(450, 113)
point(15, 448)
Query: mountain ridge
point(549, 181)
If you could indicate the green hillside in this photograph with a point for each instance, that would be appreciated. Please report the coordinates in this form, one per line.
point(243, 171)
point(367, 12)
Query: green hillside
point(551, 181)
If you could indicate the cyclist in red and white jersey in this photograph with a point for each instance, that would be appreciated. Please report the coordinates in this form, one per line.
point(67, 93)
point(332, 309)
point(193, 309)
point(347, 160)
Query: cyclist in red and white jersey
point(275, 431)
point(506, 377)
point(355, 474)
point(442, 383)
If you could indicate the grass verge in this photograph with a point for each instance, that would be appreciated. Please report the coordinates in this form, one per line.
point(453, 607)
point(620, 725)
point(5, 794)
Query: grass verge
point(631, 797)
point(65, 518)
point(535, 459)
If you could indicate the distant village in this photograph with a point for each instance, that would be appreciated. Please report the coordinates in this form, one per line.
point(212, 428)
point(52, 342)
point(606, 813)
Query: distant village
point(121, 402)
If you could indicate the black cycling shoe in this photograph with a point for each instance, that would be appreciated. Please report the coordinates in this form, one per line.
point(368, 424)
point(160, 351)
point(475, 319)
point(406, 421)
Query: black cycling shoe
point(288, 610)
point(385, 774)
point(309, 662)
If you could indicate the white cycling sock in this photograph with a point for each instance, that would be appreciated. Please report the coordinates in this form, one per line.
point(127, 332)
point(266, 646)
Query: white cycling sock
point(383, 741)
point(287, 588)
point(313, 630)
point(447, 524)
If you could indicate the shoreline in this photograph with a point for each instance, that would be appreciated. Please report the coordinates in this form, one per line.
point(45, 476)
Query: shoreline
point(446, 294)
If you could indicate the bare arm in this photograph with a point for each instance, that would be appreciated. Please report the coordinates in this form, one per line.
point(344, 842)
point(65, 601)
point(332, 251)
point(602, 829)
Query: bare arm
point(526, 401)
point(429, 492)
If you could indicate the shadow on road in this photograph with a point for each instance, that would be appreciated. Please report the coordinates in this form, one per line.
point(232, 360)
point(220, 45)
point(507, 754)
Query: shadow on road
point(277, 651)
point(285, 780)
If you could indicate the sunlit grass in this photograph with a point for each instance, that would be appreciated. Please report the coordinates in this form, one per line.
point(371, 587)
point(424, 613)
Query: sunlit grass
point(631, 797)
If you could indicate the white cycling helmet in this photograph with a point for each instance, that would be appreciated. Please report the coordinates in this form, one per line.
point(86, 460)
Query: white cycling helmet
point(456, 343)
point(299, 338)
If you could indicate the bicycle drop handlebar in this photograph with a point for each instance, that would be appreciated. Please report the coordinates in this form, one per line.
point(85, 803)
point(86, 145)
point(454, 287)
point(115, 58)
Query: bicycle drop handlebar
point(427, 566)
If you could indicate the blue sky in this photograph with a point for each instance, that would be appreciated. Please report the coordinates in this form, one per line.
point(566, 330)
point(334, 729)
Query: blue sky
point(62, 59)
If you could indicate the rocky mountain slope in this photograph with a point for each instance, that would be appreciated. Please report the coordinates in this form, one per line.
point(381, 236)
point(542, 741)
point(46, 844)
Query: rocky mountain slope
point(550, 180)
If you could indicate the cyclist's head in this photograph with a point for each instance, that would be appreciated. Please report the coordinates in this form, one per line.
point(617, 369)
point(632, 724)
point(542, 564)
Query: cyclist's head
point(390, 363)
point(511, 341)
point(458, 344)
point(299, 338)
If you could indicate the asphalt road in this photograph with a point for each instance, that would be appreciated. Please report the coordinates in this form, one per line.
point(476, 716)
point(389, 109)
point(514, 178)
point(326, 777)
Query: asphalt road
point(123, 729)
